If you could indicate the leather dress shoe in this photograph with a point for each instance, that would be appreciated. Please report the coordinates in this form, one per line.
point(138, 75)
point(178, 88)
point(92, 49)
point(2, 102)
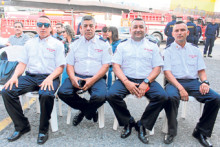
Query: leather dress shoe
point(127, 130)
point(143, 135)
point(17, 134)
point(201, 138)
point(168, 139)
point(95, 117)
point(42, 138)
point(78, 118)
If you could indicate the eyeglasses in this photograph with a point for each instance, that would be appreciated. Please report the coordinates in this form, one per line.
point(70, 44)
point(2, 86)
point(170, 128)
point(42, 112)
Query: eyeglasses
point(63, 32)
point(40, 24)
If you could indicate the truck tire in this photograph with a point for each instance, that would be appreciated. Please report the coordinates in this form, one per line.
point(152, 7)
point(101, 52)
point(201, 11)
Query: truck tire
point(30, 34)
point(158, 36)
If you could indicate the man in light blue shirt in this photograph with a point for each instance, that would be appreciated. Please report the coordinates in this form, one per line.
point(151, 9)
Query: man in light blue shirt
point(19, 38)
point(183, 67)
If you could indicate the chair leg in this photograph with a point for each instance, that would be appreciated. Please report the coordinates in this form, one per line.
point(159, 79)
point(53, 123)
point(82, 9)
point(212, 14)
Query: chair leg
point(183, 115)
point(201, 108)
point(152, 132)
point(115, 124)
point(53, 120)
point(68, 115)
point(37, 105)
point(60, 107)
point(101, 113)
point(165, 125)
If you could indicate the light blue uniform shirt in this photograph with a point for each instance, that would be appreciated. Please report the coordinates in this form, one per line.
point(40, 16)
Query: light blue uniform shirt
point(87, 57)
point(184, 63)
point(137, 59)
point(21, 40)
point(43, 56)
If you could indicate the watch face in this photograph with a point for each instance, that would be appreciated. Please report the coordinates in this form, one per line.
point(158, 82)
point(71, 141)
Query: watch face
point(146, 81)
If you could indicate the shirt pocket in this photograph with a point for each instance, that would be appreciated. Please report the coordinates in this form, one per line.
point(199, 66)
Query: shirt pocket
point(192, 65)
point(176, 66)
point(49, 58)
point(146, 58)
point(97, 54)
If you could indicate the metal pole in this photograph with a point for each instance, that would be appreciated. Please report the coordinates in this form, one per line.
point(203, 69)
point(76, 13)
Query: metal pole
point(72, 17)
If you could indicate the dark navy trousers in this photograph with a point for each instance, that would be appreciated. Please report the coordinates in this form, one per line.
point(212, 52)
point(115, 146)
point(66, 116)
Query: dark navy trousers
point(156, 95)
point(211, 101)
point(68, 93)
point(30, 83)
point(209, 44)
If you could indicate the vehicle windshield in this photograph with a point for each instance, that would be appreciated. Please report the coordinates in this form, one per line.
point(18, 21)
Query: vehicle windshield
point(123, 30)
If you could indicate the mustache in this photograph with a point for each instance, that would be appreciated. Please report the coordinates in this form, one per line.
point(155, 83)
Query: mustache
point(138, 32)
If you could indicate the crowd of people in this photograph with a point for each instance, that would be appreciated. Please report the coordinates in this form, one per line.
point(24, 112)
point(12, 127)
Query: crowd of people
point(83, 62)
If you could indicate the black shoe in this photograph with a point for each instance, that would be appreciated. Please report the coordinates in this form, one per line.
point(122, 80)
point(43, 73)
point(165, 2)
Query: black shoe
point(42, 138)
point(17, 134)
point(95, 117)
point(127, 130)
point(210, 55)
point(168, 139)
point(142, 135)
point(78, 118)
point(201, 138)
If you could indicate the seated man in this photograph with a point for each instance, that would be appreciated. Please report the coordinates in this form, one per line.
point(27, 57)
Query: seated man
point(137, 62)
point(19, 38)
point(87, 62)
point(183, 67)
point(44, 58)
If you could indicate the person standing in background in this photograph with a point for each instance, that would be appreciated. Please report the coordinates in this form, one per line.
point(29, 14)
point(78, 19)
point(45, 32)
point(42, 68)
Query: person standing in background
point(112, 37)
point(211, 33)
point(168, 30)
point(199, 32)
point(59, 29)
point(192, 30)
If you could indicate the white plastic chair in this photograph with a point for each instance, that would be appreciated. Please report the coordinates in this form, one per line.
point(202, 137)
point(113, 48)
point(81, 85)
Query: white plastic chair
point(101, 114)
point(115, 124)
point(183, 114)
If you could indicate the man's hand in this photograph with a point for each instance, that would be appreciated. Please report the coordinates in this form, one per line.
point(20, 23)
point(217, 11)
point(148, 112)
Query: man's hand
point(89, 83)
point(184, 95)
point(13, 80)
point(8, 44)
point(142, 89)
point(47, 83)
point(74, 82)
point(204, 88)
point(132, 87)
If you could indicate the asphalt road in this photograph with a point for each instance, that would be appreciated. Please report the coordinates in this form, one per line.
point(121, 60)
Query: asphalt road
point(87, 134)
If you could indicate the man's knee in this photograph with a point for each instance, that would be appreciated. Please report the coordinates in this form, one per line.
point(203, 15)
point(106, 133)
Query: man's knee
point(99, 97)
point(47, 97)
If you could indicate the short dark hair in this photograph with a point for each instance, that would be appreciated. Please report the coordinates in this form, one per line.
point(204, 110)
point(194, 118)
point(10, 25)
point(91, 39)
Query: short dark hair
point(18, 22)
point(59, 23)
point(179, 22)
point(189, 18)
point(138, 19)
point(104, 29)
point(87, 17)
point(114, 31)
point(173, 17)
point(44, 16)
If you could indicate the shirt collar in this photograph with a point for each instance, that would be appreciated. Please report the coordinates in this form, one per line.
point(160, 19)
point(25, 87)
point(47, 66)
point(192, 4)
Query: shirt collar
point(177, 46)
point(137, 42)
point(93, 40)
point(19, 36)
point(45, 39)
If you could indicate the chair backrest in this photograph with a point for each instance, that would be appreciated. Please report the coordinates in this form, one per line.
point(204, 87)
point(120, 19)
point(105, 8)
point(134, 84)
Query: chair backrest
point(13, 52)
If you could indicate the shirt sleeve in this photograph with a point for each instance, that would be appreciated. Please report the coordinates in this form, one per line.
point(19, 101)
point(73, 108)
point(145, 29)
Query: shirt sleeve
point(23, 57)
point(70, 58)
point(60, 55)
point(157, 57)
point(167, 60)
point(106, 57)
point(117, 57)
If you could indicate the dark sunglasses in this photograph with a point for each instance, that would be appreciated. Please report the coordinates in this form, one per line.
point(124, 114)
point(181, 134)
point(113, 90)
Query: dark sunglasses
point(63, 31)
point(40, 24)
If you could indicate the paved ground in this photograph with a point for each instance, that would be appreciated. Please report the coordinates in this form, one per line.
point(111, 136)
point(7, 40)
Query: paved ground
point(88, 133)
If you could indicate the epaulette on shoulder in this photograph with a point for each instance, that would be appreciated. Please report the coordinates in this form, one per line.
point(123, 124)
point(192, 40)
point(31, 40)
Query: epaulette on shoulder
point(75, 39)
point(123, 40)
point(167, 46)
point(152, 40)
point(101, 38)
point(194, 45)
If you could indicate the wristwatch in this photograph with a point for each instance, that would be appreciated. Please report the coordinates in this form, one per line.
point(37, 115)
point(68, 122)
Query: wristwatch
point(147, 81)
point(206, 82)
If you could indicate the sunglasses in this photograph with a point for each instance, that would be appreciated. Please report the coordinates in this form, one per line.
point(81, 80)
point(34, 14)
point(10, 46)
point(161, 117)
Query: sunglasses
point(46, 25)
point(63, 31)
